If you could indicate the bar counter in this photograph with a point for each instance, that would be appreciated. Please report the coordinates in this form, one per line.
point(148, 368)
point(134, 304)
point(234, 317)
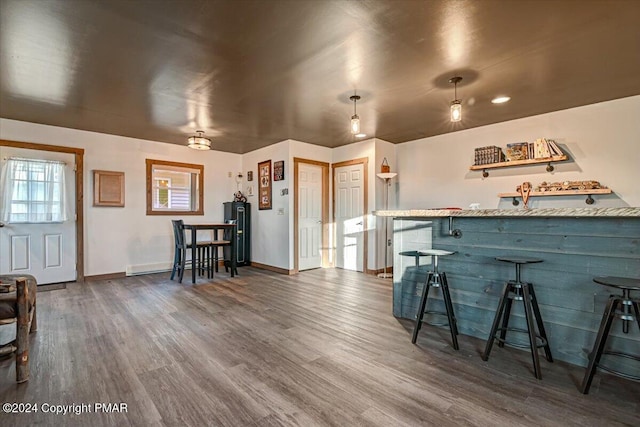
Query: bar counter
point(576, 244)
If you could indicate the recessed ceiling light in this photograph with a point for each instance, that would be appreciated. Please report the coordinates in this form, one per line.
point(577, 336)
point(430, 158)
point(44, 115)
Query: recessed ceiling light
point(361, 135)
point(500, 99)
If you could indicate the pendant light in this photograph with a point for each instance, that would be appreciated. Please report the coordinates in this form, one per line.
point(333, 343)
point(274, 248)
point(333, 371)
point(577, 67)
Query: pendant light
point(355, 120)
point(456, 104)
point(199, 141)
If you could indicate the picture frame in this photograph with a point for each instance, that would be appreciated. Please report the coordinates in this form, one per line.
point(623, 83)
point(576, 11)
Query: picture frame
point(108, 189)
point(264, 185)
point(278, 170)
point(250, 176)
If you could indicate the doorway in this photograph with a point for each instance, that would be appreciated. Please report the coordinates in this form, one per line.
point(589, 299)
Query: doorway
point(50, 250)
point(349, 213)
point(311, 219)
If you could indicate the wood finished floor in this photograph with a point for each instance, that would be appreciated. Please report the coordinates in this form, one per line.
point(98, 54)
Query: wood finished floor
point(263, 349)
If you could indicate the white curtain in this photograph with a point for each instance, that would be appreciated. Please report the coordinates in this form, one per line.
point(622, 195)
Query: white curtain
point(33, 191)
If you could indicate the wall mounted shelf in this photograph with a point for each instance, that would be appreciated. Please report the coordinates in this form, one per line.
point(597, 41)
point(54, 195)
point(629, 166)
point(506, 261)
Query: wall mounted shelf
point(587, 193)
point(512, 163)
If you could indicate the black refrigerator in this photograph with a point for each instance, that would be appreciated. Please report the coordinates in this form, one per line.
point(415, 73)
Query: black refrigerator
point(240, 212)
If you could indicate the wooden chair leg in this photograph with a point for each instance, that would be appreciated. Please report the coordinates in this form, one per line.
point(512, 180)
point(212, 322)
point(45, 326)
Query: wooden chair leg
point(176, 262)
point(34, 319)
point(22, 334)
point(183, 262)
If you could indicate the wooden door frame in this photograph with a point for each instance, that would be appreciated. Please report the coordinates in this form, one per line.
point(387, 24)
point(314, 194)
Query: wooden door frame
point(79, 173)
point(365, 240)
point(325, 211)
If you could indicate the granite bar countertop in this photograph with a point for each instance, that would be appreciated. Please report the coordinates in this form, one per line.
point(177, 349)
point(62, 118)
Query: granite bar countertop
point(535, 212)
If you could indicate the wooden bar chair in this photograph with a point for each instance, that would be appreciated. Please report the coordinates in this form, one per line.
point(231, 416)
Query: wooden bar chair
point(181, 248)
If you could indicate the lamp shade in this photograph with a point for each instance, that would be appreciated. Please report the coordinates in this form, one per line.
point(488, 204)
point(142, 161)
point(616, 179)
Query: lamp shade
point(355, 124)
point(456, 110)
point(199, 141)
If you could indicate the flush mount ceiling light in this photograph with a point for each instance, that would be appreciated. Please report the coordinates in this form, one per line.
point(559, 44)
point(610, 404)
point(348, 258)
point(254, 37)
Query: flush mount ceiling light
point(199, 141)
point(456, 104)
point(355, 120)
point(500, 99)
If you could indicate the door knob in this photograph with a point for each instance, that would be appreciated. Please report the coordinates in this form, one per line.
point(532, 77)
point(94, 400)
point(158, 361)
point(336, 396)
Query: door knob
point(1, 224)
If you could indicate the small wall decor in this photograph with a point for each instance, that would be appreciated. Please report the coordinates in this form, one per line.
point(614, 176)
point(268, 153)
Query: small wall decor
point(108, 188)
point(264, 185)
point(250, 176)
point(278, 170)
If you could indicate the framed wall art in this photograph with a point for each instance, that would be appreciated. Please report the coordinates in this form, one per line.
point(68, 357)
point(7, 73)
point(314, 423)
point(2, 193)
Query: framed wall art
point(278, 170)
point(108, 188)
point(264, 185)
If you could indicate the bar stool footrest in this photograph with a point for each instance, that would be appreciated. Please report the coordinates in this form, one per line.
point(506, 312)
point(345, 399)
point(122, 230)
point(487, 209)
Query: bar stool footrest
point(620, 373)
point(440, 313)
point(543, 342)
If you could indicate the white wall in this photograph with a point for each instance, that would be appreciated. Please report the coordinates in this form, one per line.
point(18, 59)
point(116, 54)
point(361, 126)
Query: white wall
point(603, 141)
point(270, 230)
point(121, 239)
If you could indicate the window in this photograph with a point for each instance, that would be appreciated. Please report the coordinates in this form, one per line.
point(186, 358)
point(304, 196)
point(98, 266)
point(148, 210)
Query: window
point(174, 188)
point(33, 191)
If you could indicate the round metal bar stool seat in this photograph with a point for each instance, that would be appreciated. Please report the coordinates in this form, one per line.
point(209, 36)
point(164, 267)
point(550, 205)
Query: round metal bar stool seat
point(517, 290)
point(436, 279)
point(620, 307)
point(415, 254)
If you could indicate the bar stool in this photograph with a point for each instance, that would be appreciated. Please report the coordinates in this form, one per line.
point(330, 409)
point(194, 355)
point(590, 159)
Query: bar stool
point(436, 279)
point(517, 290)
point(624, 302)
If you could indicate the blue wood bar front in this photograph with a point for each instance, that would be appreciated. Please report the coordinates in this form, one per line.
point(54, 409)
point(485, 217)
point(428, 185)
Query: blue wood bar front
point(575, 249)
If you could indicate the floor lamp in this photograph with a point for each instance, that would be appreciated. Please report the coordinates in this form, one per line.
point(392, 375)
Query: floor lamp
point(386, 177)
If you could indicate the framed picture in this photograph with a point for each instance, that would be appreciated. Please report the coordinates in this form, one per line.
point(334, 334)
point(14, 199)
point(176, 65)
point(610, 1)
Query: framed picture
point(108, 188)
point(250, 176)
point(278, 170)
point(264, 185)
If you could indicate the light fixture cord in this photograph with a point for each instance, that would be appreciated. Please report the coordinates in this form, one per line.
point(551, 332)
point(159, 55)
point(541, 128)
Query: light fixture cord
point(354, 105)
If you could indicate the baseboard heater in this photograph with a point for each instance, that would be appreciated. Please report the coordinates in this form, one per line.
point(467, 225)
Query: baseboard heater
point(158, 267)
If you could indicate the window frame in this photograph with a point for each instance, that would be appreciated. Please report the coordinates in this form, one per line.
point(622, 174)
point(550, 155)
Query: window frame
point(151, 163)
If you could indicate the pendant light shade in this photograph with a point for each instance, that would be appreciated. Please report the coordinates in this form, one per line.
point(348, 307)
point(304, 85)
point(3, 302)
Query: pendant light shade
point(456, 104)
point(199, 141)
point(355, 120)
point(456, 111)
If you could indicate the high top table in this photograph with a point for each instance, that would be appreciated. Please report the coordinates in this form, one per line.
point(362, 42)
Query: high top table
point(216, 227)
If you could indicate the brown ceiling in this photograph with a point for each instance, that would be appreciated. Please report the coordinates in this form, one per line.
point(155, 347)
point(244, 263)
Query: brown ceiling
point(252, 73)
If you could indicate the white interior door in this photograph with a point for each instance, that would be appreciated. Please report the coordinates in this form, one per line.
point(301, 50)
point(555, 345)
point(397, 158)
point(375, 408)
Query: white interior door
point(47, 250)
point(349, 190)
point(309, 216)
